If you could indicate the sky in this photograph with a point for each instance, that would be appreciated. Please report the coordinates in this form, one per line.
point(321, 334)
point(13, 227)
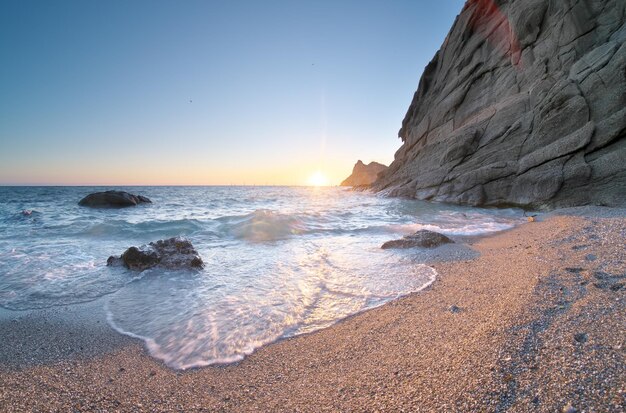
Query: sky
point(207, 92)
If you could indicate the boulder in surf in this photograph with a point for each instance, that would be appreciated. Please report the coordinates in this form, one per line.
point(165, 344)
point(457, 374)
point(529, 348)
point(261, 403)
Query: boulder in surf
point(422, 238)
point(113, 199)
point(173, 253)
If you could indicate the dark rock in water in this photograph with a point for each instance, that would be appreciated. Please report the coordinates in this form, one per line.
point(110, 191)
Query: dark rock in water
point(137, 258)
point(173, 253)
point(26, 215)
point(363, 175)
point(524, 104)
point(113, 199)
point(422, 238)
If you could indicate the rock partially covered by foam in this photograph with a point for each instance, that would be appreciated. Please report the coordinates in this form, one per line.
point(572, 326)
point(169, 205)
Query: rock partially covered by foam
point(113, 199)
point(422, 238)
point(173, 253)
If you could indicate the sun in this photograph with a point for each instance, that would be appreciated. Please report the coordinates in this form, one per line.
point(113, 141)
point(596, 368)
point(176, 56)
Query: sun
point(318, 179)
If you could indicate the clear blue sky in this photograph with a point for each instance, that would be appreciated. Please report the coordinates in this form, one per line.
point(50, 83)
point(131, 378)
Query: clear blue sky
point(207, 92)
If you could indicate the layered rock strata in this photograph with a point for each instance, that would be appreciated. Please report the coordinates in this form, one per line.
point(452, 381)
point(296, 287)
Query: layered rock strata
point(524, 104)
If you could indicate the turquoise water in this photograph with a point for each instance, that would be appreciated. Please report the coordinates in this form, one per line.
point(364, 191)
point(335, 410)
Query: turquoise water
point(280, 261)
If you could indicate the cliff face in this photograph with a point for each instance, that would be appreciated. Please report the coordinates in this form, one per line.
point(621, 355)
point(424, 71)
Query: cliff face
point(524, 104)
point(363, 175)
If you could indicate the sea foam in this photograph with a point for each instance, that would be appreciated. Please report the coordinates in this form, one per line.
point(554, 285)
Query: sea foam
point(278, 261)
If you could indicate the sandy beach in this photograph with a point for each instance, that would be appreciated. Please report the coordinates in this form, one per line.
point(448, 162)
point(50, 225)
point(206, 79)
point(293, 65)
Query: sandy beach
point(535, 323)
point(291, 206)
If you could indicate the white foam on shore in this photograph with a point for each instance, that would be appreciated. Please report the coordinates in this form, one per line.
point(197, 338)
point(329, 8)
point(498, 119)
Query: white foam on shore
point(279, 261)
point(180, 350)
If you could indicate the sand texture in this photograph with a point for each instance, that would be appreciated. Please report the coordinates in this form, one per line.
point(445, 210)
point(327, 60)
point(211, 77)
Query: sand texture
point(536, 323)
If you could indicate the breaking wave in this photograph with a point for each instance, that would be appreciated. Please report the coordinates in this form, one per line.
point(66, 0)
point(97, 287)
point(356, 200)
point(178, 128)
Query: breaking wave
point(279, 261)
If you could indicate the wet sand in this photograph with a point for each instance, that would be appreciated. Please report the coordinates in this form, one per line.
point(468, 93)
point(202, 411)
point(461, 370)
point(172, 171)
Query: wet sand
point(536, 323)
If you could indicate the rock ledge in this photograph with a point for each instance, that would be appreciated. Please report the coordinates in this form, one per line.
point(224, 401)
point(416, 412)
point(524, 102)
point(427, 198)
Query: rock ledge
point(524, 104)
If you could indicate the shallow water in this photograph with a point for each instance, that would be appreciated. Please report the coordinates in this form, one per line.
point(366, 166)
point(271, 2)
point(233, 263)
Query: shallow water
point(280, 261)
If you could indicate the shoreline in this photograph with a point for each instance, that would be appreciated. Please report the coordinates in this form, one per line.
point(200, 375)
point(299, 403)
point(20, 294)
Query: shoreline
point(489, 335)
point(83, 317)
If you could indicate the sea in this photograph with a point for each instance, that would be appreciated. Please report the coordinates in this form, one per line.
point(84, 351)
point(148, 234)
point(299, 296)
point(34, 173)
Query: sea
point(279, 261)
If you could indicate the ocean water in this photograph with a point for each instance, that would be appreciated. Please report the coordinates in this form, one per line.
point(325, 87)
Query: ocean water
point(279, 261)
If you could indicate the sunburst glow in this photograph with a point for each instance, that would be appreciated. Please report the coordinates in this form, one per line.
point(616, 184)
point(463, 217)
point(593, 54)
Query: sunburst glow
point(318, 179)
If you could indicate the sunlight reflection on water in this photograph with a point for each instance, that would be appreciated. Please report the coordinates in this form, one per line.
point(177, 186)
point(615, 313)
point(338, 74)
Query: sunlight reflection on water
point(279, 261)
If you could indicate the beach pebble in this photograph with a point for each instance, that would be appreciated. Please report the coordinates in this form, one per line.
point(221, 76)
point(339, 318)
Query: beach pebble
point(568, 408)
point(580, 337)
point(454, 309)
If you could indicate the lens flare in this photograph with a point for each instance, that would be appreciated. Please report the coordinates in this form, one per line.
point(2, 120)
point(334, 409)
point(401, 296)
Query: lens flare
point(318, 179)
point(489, 21)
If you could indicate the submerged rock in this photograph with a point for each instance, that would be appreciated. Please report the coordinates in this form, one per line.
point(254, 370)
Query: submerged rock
point(422, 238)
point(364, 175)
point(524, 104)
point(26, 215)
point(113, 199)
point(173, 253)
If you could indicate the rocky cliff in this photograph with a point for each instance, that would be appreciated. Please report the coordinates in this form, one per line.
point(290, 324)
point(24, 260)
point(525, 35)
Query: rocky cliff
point(364, 175)
point(524, 104)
